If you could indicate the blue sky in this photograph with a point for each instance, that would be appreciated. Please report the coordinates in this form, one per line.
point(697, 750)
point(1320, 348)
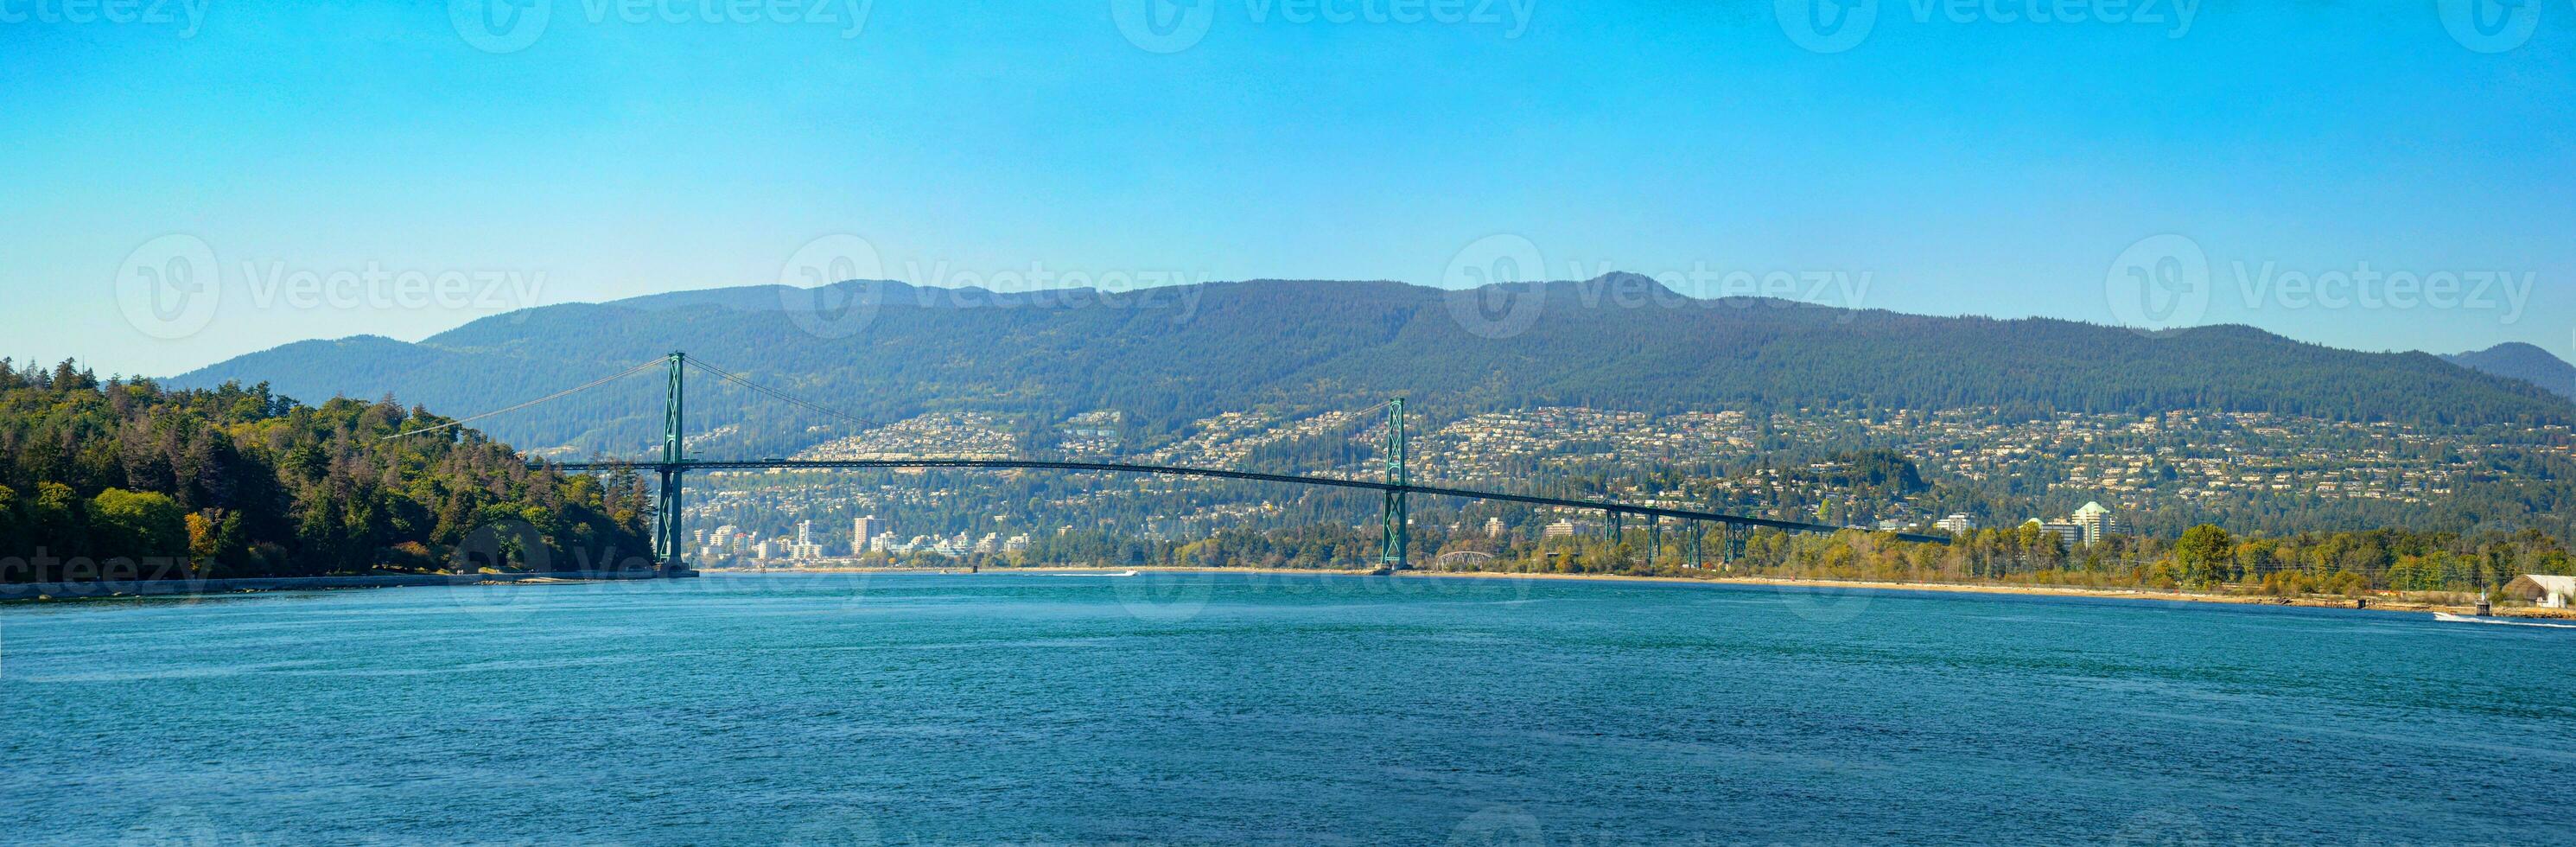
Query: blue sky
point(1952, 159)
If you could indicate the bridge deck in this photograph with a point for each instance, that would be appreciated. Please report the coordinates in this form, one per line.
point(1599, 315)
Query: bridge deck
point(1218, 473)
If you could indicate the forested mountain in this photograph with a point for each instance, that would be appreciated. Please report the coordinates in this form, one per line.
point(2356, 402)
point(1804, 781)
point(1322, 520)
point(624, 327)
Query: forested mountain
point(128, 480)
point(2524, 362)
point(1166, 357)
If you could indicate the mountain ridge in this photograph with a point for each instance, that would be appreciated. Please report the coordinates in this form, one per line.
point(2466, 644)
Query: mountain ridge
point(1168, 356)
point(2527, 362)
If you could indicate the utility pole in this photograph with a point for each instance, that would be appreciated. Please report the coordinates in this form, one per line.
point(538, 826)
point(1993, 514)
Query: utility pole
point(1398, 534)
point(666, 518)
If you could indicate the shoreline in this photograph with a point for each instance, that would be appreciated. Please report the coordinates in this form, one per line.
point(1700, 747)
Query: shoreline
point(42, 592)
point(2377, 602)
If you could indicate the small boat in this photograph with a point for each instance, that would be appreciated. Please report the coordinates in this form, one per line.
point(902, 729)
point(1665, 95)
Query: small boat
point(2447, 617)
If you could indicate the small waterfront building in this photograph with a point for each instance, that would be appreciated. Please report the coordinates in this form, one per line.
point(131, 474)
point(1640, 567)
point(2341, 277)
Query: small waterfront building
point(2544, 590)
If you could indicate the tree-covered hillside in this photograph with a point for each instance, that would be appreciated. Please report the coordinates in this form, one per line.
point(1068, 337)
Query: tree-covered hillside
point(1167, 357)
point(121, 479)
point(2523, 362)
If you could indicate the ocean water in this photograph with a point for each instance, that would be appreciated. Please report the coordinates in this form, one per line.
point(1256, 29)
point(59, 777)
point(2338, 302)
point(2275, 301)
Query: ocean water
point(1235, 708)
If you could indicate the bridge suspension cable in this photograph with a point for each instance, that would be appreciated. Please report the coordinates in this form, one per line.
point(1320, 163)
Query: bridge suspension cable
point(786, 397)
point(638, 368)
point(783, 396)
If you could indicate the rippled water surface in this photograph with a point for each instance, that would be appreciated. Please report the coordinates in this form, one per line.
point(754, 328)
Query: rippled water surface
point(854, 709)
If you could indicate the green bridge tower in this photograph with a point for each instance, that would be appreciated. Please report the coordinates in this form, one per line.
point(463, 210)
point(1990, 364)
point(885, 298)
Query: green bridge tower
point(666, 516)
point(1398, 534)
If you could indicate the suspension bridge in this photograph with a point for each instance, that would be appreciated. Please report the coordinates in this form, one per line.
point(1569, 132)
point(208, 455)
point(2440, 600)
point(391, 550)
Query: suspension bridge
point(1395, 485)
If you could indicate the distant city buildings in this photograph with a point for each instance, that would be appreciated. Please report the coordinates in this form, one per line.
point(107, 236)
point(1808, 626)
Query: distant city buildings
point(2096, 523)
point(804, 548)
point(863, 529)
point(2086, 528)
point(1567, 529)
point(2147, 469)
point(2069, 536)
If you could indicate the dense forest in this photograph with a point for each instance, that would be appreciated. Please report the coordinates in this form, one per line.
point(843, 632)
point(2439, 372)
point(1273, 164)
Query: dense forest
point(2205, 558)
point(125, 479)
point(1168, 357)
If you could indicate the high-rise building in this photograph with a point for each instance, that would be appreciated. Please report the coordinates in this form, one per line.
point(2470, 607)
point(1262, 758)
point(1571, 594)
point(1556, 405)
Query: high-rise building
point(1493, 527)
point(2095, 522)
point(863, 530)
point(2068, 534)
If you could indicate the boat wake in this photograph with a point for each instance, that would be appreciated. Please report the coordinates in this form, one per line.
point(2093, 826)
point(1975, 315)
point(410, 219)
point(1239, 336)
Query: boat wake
point(2447, 617)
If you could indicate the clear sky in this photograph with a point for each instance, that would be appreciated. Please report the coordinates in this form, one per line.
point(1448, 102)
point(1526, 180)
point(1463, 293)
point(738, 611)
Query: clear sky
point(1956, 158)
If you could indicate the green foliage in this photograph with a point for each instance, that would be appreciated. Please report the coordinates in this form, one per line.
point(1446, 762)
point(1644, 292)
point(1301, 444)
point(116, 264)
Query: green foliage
point(137, 524)
point(2203, 555)
point(234, 481)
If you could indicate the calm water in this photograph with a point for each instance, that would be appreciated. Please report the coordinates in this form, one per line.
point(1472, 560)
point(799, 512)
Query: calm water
point(1182, 708)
